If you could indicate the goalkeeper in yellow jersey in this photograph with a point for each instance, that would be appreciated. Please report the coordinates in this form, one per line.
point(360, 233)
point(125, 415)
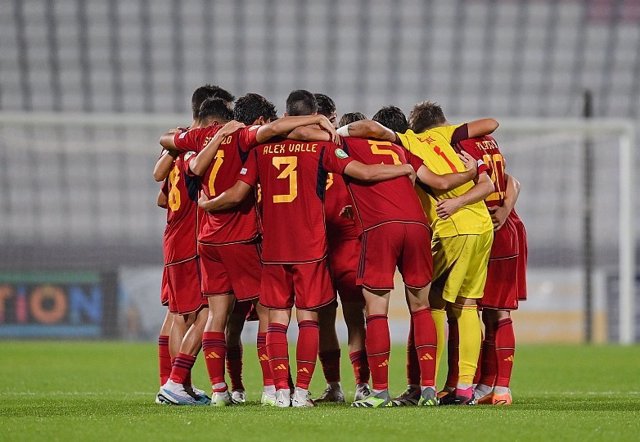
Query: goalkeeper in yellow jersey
point(462, 234)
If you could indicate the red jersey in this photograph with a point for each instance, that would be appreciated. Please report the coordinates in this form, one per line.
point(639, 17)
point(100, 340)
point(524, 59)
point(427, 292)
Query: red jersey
point(179, 241)
point(336, 199)
point(293, 178)
point(486, 149)
point(505, 241)
point(386, 201)
point(239, 224)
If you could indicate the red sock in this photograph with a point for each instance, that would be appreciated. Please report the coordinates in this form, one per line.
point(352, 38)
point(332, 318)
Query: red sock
point(330, 361)
point(182, 365)
point(360, 366)
point(234, 366)
point(413, 366)
point(488, 359)
point(306, 352)
point(452, 354)
point(267, 379)
point(378, 344)
point(278, 351)
point(214, 347)
point(164, 359)
point(505, 350)
point(426, 344)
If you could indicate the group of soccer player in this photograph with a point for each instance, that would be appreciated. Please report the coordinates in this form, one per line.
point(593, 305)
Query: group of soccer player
point(268, 213)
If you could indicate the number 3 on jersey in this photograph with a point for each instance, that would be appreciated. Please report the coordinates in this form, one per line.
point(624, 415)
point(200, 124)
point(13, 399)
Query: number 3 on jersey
point(217, 164)
point(290, 173)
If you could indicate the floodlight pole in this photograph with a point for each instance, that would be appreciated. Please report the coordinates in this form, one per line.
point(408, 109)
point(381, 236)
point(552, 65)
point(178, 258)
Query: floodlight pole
point(587, 220)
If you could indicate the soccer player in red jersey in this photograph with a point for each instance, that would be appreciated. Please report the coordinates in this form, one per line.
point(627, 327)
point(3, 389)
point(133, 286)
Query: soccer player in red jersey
point(344, 251)
point(292, 175)
point(251, 110)
point(180, 282)
point(396, 234)
point(506, 276)
point(227, 241)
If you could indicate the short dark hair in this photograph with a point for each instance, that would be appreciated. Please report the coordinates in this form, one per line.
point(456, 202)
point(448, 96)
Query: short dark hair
point(326, 105)
point(251, 106)
point(350, 118)
point(209, 91)
point(301, 102)
point(426, 115)
point(393, 118)
point(215, 108)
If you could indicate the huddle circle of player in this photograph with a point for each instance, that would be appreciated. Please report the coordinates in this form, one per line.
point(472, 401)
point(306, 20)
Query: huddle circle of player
point(268, 213)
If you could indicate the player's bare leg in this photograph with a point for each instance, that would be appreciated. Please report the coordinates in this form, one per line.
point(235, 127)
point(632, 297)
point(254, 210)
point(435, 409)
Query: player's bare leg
point(306, 356)
point(329, 353)
point(214, 346)
point(354, 318)
point(268, 386)
point(278, 352)
point(425, 341)
point(378, 344)
point(233, 333)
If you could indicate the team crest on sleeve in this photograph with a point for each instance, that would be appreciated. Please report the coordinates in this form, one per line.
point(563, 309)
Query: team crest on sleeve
point(243, 171)
point(341, 153)
point(189, 154)
point(182, 135)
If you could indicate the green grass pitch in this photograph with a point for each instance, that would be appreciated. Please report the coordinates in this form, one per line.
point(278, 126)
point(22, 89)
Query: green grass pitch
point(104, 391)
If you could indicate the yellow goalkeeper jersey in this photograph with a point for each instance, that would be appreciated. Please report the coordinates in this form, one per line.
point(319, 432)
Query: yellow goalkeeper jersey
point(434, 147)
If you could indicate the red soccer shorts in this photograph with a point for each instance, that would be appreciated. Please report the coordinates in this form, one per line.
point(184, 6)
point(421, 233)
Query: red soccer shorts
point(231, 268)
point(344, 255)
point(505, 241)
point(181, 282)
point(522, 255)
point(308, 286)
point(405, 245)
point(164, 289)
point(501, 288)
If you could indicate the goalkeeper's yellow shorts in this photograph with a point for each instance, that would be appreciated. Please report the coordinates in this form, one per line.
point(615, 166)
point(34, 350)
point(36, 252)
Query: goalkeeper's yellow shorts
point(460, 264)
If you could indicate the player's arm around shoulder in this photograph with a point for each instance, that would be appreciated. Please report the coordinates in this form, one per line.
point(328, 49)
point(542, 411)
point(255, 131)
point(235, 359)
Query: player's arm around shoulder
point(481, 190)
point(499, 214)
point(284, 126)
point(368, 129)
point(227, 199)
point(450, 180)
point(163, 166)
point(377, 172)
point(167, 139)
point(482, 127)
point(201, 162)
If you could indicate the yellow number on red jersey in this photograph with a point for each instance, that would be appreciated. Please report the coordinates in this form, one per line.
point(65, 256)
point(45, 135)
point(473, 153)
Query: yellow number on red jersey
point(174, 192)
point(376, 150)
point(290, 173)
point(219, 159)
point(496, 163)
